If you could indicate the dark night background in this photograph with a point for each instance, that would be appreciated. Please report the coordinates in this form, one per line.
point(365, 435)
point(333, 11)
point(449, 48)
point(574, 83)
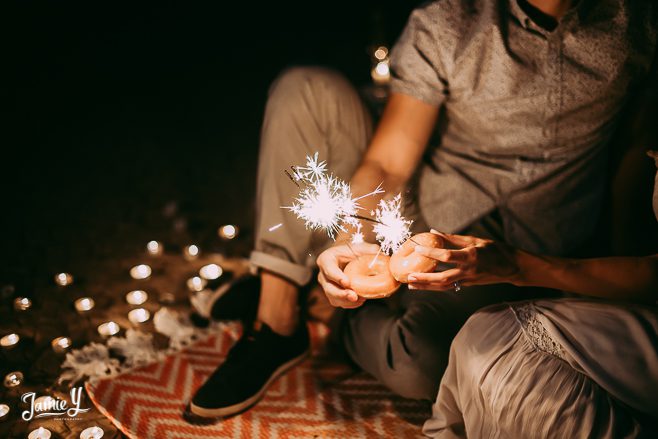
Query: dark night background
point(126, 122)
point(112, 110)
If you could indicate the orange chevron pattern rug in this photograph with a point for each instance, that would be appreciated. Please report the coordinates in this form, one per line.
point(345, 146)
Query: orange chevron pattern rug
point(317, 399)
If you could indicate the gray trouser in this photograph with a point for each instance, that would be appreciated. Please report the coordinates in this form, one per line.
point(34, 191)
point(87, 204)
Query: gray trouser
point(309, 110)
point(316, 110)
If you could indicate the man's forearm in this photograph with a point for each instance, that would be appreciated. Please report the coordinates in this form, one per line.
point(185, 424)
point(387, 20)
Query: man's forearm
point(630, 278)
point(394, 152)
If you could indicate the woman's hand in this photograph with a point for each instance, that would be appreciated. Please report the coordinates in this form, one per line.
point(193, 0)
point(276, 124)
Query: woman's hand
point(475, 261)
point(334, 282)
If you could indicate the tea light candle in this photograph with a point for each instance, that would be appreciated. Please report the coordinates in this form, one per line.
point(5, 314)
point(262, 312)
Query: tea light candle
point(137, 297)
point(39, 433)
point(84, 304)
point(381, 73)
point(154, 248)
point(381, 53)
point(141, 271)
point(61, 344)
point(139, 315)
point(108, 328)
point(22, 304)
point(4, 412)
point(196, 283)
point(211, 271)
point(191, 252)
point(63, 279)
point(13, 379)
point(92, 433)
point(229, 231)
point(10, 340)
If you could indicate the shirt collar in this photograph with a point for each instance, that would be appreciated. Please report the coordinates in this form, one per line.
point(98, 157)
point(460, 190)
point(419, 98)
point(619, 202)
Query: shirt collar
point(580, 12)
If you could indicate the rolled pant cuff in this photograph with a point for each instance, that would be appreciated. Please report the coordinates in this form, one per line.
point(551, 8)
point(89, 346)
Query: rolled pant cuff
point(299, 274)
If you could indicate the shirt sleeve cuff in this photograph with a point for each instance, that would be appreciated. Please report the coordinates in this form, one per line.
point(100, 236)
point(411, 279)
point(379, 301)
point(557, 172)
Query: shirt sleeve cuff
point(427, 96)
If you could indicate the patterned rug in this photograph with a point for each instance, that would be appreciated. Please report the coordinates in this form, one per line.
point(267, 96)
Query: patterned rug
point(317, 399)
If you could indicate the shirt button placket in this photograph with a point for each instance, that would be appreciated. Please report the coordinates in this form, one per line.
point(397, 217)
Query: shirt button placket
point(546, 129)
point(553, 85)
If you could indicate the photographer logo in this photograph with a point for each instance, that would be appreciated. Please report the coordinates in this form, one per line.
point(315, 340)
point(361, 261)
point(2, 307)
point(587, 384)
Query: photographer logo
point(53, 407)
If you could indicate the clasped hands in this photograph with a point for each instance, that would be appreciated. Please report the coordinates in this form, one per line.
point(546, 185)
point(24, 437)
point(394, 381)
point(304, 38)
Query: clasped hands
point(470, 261)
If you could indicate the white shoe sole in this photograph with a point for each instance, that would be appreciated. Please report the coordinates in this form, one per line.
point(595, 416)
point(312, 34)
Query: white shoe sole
point(244, 405)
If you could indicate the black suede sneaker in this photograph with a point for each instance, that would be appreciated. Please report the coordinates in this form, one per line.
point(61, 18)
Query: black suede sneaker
point(253, 363)
point(236, 300)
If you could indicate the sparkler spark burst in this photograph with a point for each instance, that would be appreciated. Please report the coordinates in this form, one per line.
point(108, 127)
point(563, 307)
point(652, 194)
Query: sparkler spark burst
point(357, 236)
point(312, 171)
point(325, 202)
point(392, 229)
point(274, 227)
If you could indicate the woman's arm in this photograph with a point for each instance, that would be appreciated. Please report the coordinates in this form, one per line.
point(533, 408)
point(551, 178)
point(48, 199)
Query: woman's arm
point(479, 261)
point(630, 278)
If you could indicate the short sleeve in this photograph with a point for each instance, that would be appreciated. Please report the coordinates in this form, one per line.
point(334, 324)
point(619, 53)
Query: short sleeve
point(415, 62)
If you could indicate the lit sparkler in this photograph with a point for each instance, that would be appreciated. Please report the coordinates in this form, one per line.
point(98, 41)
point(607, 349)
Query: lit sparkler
point(314, 170)
point(357, 236)
point(391, 229)
point(326, 203)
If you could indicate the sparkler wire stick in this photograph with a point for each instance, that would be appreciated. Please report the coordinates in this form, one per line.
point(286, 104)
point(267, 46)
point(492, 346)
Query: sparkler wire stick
point(292, 178)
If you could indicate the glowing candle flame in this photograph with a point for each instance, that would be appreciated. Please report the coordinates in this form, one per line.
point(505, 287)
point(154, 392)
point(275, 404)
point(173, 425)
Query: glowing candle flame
point(60, 344)
point(211, 271)
point(381, 53)
point(196, 283)
point(63, 279)
point(137, 297)
point(4, 411)
point(108, 328)
point(154, 248)
point(141, 271)
point(92, 433)
point(84, 304)
point(229, 231)
point(22, 304)
point(191, 252)
point(40, 433)
point(139, 315)
point(10, 340)
point(13, 379)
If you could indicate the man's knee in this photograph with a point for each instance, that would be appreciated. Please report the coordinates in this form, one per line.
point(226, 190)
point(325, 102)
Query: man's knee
point(407, 353)
point(414, 381)
point(418, 352)
point(307, 83)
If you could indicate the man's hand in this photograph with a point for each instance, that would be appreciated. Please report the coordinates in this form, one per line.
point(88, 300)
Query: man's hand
point(335, 283)
point(476, 262)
